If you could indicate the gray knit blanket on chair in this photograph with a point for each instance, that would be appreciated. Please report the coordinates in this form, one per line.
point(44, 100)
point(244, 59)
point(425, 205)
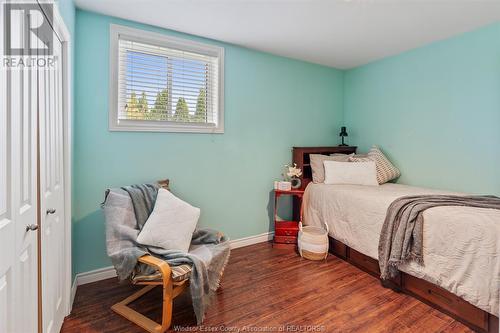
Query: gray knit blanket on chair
point(401, 238)
point(126, 210)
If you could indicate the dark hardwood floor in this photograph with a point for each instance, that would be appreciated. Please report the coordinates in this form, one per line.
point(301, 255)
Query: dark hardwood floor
point(265, 287)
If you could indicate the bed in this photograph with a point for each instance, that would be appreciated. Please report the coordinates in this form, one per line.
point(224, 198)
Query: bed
point(461, 271)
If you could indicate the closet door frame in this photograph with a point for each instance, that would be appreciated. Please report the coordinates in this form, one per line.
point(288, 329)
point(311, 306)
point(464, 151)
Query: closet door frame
point(62, 31)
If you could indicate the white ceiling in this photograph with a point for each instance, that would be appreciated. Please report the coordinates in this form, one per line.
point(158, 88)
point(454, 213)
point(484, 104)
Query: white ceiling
point(337, 33)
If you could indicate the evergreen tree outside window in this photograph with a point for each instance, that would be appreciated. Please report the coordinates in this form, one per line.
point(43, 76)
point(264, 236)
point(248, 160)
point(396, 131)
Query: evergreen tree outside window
point(182, 111)
point(201, 106)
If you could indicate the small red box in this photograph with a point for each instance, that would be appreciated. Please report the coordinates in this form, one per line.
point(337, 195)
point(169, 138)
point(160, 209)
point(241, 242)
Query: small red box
point(286, 228)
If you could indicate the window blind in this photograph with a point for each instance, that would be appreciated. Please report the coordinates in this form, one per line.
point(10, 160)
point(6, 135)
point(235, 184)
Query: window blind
point(158, 83)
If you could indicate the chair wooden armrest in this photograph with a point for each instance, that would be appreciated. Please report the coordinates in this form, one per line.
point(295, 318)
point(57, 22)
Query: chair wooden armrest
point(162, 266)
point(170, 291)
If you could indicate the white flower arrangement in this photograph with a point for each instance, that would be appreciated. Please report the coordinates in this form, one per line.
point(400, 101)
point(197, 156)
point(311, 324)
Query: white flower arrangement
point(292, 171)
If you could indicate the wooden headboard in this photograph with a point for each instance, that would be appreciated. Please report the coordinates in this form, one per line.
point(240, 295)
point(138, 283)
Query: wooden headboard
point(301, 158)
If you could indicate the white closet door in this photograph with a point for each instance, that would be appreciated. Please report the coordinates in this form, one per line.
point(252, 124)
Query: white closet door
point(52, 193)
point(18, 199)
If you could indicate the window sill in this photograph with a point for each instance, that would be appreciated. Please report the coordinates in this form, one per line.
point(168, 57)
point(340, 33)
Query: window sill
point(166, 128)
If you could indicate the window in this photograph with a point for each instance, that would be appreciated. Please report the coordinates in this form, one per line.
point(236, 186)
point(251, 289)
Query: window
point(164, 84)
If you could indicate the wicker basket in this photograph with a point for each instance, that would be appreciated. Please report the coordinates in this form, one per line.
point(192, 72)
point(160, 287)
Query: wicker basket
point(313, 242)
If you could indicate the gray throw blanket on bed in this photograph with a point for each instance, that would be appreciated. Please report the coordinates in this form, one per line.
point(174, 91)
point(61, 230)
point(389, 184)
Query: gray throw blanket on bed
point(208, 254)
point(401, 237)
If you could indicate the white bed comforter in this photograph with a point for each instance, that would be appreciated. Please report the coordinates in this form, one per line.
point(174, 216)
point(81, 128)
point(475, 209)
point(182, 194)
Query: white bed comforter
point(461, 244)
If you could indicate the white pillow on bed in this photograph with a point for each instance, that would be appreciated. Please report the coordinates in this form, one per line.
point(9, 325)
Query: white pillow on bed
point(343, 173)
point(171, 224)
point(318, 170)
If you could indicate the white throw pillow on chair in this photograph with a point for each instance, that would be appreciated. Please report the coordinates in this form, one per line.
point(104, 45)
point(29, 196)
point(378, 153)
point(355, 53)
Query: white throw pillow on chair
point(171, 224)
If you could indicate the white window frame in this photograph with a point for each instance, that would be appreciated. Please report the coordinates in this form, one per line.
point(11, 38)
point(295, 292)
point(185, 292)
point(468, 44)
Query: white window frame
point(153, 38)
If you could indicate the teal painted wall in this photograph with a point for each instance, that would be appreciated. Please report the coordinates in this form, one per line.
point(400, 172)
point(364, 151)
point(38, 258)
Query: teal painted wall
point(271, 104)
point(435, 110)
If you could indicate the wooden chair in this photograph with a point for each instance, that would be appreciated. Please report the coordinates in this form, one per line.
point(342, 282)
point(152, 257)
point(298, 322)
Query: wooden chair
point(171, 290)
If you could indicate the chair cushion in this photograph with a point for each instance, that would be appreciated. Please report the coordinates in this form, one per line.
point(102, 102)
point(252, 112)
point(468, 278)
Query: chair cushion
point(179, 273)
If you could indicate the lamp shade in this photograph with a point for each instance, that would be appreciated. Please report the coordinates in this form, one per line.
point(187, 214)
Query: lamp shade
point(343, 131)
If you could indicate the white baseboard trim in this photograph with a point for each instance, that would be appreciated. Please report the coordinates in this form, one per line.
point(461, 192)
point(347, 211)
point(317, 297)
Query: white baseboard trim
point(250, 240)
point(95, 275)
point(109, 272)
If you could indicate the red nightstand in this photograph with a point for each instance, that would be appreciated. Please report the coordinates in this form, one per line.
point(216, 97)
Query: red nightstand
point(285, 232)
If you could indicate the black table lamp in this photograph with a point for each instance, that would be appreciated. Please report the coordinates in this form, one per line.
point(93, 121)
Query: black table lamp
point(343, 134)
